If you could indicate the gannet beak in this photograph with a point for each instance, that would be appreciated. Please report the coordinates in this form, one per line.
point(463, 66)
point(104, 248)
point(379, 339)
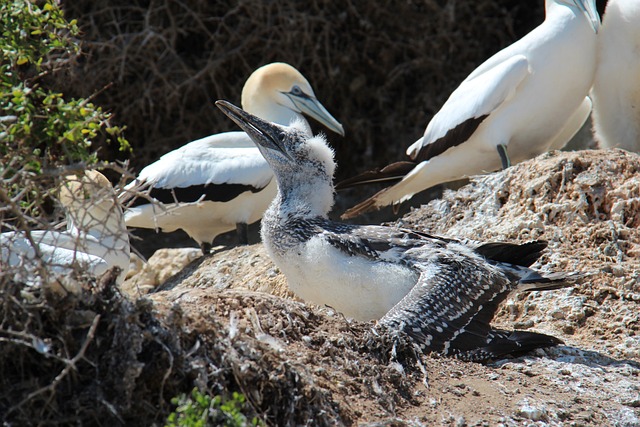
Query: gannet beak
point(313, 108)
point(588, 7)
point(263, 133)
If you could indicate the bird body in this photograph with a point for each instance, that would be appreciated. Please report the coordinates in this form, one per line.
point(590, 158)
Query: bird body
point(60, 252)
point(95, 240)
point(616, 89)
point(526, 99)
point(441, 291)
point(206, 187)
point(221, 182)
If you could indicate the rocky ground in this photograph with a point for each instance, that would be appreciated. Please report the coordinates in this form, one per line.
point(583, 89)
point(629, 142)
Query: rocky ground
point(325, 369)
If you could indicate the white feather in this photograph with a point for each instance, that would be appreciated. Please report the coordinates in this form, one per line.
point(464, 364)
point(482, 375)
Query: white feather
point(616, 89)
point(95, 240)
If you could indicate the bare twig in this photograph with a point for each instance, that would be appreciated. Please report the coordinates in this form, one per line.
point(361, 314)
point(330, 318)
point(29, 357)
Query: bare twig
point(70, 364)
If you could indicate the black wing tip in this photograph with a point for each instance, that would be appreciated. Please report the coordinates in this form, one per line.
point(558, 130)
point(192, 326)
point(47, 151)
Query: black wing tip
point(454, 137)
point(507, 344)
point(391, 173)
point(201, 192)
point(521, 254)
point(361, 208)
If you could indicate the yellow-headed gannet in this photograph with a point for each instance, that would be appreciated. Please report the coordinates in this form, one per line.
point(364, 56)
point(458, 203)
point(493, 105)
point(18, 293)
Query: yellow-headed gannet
point(523, 101)
point(616, 89)
point(95, 240)
point(221, 182)
point(440, 291)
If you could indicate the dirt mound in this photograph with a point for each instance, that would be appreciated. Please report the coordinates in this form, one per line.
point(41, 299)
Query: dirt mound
point(101, 358)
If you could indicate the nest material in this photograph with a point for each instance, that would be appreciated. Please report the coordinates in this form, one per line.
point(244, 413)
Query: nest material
point(98, 358)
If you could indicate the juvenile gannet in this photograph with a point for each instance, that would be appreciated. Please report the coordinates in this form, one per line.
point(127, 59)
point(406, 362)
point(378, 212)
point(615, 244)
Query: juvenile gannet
point(616, 88)
point(523, 101)
point(221, 182)
point(95, 240)
point(440, 291)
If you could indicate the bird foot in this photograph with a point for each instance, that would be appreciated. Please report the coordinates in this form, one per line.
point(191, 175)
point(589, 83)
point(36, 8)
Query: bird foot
point(504, 156)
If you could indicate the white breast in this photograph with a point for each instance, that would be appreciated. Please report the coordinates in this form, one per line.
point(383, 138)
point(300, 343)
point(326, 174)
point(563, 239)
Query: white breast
point(357, 287)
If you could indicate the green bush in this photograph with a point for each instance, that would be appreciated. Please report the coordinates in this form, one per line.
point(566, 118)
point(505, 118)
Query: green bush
point(200, 410)
point(42, 133)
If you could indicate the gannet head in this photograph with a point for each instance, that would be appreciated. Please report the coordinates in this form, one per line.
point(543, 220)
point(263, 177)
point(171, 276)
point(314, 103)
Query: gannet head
point(90, 201)
point(280, 84)
point(303, 163)
point(586, 7)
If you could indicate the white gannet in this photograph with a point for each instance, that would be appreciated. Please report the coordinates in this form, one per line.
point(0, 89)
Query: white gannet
point(616, 88)
point(523, 101)
point(221, 182)
point(95, 240)
point(440, 291)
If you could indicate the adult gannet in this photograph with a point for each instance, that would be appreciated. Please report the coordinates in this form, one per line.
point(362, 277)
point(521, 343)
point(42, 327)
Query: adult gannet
point(616, 88)
point(221, 182)
point(440, 291)
point(523, 101)
point(95, 240)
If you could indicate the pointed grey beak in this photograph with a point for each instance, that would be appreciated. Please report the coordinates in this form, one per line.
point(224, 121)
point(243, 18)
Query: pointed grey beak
point(314, 109)
point(588, 7)
point(263, 133)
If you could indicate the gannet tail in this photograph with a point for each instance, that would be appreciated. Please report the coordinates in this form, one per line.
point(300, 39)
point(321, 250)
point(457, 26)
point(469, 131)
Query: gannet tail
point(501, 343)
point(391, 173)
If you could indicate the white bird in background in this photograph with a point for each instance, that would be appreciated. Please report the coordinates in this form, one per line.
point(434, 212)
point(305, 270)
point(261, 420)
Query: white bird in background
point(523, 101)
point(95, 240)
point(616, 89)
point(442, 292)
point(221, 182)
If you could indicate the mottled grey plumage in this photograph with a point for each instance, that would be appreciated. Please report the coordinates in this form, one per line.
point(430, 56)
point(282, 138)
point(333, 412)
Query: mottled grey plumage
point(442, 292)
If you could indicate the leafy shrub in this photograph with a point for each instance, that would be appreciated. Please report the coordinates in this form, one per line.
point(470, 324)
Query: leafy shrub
point(43, 134)
point(200, 410)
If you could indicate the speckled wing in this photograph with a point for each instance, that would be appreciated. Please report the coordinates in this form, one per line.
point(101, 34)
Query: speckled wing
point(450, 308)
point(378, 242)
point(453, 296)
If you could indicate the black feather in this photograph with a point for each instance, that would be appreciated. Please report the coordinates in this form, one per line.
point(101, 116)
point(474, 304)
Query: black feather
point(211, 192)
point(513, 253)
point(502, 343)
point(452, 138)
point(390, 174)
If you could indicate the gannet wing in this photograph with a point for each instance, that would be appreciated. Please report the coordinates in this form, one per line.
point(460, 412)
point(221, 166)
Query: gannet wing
point(450, 309)
point(226, 158)
point(468, 106)
point(60, 252)
point(573, 125)
point(378, 242)
point(218, 168)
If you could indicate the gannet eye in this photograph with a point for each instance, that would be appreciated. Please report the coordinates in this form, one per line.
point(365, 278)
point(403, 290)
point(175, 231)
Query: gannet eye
point(282, 136)
point(296, 91)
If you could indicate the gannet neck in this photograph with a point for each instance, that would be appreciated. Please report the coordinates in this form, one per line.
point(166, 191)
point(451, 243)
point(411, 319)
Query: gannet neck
point(582, 11)
point(305, 184)
point(99, 220)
